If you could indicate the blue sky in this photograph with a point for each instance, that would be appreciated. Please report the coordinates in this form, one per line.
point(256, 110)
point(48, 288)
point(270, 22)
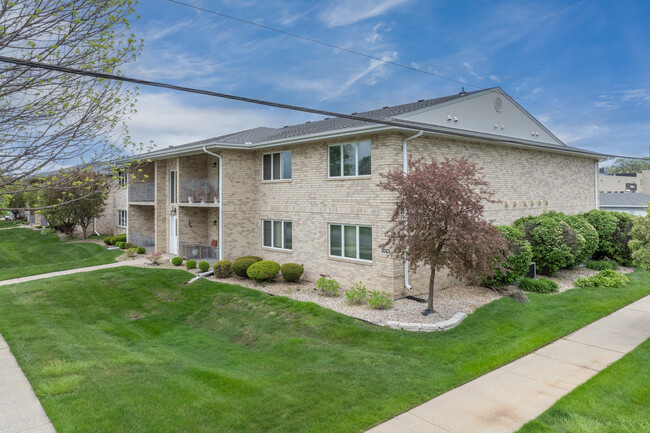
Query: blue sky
point(581, 67)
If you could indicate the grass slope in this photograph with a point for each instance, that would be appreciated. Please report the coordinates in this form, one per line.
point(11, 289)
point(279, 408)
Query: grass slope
point(25, 252)
point(133, 349)
point(5, 224)
point(616, 400)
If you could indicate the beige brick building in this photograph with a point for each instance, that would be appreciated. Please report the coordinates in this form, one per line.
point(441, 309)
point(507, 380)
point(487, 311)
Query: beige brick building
point(308, 193)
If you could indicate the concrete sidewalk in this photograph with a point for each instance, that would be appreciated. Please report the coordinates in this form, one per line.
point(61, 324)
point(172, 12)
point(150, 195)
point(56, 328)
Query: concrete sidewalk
point(135, 262)
point(508, 397)
point(20, 410)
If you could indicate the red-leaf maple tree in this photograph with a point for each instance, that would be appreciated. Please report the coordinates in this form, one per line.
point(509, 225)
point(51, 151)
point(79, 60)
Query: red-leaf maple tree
point(438, 219)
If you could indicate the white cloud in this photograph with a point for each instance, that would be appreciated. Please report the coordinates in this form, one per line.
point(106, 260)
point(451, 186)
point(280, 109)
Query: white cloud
point(470, 69)
point(495, 78)
point(636, 95)
point(169, 120)
point(344, 12)
point(158, 29)
point(374, 65)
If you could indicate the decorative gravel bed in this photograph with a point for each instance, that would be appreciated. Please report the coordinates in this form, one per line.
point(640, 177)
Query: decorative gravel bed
point(566, 277)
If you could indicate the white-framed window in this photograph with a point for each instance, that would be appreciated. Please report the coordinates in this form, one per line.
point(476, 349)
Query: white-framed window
point(277, 234)
point(276, 166)
point(172, 186)
point(121, 178)
point(349, 159)
point(122, 218)
point(350, 241)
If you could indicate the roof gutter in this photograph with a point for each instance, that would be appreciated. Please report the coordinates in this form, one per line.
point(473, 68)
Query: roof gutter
point(405, 168)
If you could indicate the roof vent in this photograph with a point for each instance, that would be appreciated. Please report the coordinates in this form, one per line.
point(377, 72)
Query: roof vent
point(309, 121)
point(248, 143)
point(462, 91)
point(355, 113)
point(285, 126)
point(420, 100)
point(383, 108)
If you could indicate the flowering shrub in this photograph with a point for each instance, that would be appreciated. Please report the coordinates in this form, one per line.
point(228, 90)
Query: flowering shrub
point(155, 258)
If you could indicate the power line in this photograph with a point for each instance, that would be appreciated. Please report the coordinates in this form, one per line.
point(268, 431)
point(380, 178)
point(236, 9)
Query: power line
point(405, 125)
point(359, 53)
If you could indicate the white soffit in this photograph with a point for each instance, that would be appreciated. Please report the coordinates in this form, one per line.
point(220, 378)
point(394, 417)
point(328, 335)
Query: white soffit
point(489, 112)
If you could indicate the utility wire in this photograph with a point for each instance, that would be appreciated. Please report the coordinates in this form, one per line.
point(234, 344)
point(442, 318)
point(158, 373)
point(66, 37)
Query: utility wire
point(405, 125)
point(359, 53)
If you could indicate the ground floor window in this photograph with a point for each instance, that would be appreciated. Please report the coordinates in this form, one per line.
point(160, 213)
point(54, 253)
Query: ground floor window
point(277, 234)
point(121, 218)
point(351, 241)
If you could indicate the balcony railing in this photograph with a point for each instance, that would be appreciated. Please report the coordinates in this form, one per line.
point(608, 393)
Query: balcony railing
point(141, 240)
point(142, 191)
point(199, 191)
point(194, 251)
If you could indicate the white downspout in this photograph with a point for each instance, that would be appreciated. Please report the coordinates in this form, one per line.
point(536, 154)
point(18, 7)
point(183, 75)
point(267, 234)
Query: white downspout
point(220, 200)
point(95, 226)
point(596, 183)
point(405, 168)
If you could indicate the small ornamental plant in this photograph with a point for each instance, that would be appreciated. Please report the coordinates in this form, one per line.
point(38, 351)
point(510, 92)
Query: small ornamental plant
point(222, 269)
point(141, 250)
point(155, 258)
point(190, 264)
point(240, 266)
point(379, 300)
point(538, 285)
point(204, 266)
point(357, 294)
point(606, 278)
point(121, 245)
point(131, 252)
point(107, 240)
point(327, 287)
point(177, 261)
point(601, 265)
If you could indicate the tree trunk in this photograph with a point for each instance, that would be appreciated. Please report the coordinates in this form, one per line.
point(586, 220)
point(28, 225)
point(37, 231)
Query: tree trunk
point(83, 229)
point(432, 279)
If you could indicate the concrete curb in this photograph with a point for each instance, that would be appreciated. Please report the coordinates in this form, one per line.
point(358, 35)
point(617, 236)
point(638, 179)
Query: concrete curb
point(429, 327)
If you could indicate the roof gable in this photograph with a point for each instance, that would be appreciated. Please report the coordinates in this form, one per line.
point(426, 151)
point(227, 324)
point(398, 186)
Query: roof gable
point(490, 111)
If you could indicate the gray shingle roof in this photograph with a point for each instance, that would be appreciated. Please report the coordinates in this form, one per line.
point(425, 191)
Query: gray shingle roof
point(624, 199)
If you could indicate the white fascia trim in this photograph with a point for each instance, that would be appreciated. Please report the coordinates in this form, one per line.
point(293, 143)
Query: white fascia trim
point(634, 206)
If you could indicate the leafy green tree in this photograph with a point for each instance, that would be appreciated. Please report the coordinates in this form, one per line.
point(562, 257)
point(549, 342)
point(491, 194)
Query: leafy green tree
point(50, 119)
point(629, 166)
point(640, 241)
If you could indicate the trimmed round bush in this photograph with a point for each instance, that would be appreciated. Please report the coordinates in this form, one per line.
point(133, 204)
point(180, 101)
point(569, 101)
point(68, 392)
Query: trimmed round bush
point(118, 238)
point(265, 270)
point(222, 269)
point(518, 258)
point(190, 264)
point(129, 245)
point(204, 266)
point(256, 258)
point(613, 235)
point(291, 272)
point(601, 265)
point(177, 261)
point(539, 285)
point(121, 245)
point(241, 265)
point(554, 242)
point(107, 240)
point(141, 250)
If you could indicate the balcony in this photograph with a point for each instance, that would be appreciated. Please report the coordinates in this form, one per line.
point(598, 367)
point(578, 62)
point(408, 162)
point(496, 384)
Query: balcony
point(194, 251)
point(142, 192)
point(199, 192)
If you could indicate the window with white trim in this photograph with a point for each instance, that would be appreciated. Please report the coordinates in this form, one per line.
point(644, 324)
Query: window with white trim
point(276, 166)
point(172, 186)
point(277, 234)
point(351, 241)
point(121, 178)
point(349, 160)
point(122, 218)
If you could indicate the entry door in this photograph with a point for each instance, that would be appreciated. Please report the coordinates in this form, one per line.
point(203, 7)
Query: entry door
point(173, 234)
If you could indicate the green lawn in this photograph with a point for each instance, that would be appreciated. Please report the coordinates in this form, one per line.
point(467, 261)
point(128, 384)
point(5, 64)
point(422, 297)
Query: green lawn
point(4, 224)
point(616, 400)
point(25, 252)
point(132, 349)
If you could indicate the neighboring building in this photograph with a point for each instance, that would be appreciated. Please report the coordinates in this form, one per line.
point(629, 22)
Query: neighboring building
point(627, 182)
point(635, 204)
point(308, 193)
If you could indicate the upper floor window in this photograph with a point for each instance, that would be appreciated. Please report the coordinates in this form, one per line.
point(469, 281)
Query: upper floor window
point(121, 178)
point(172, 186)
point(276, 166)
point(351, 159)
point(277, 234)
